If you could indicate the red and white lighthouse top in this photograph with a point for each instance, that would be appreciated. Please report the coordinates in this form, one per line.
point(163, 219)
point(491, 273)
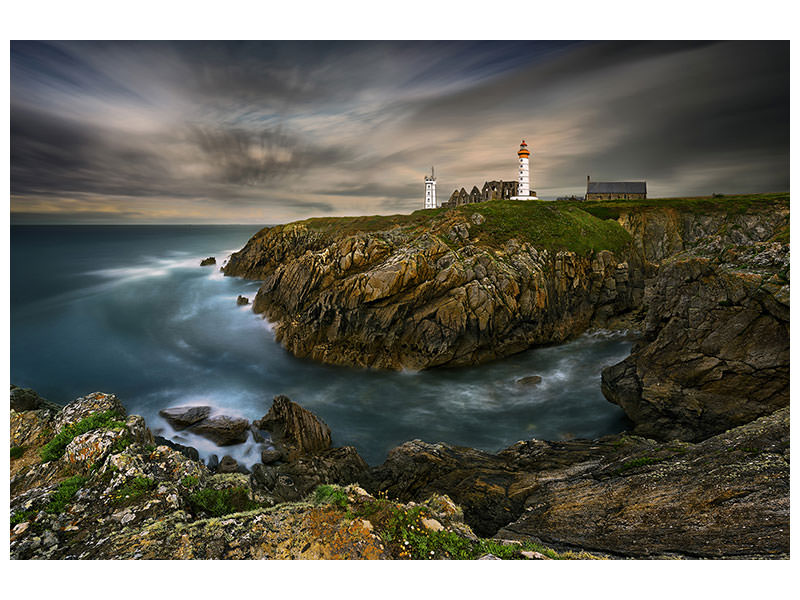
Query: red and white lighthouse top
point(523, 150)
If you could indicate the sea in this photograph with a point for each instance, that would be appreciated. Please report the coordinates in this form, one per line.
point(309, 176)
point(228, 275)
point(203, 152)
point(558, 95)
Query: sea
point(129, 310)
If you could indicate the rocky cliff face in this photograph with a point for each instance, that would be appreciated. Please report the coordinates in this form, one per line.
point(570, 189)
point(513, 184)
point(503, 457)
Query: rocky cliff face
point(715, 351)
point(437, 296)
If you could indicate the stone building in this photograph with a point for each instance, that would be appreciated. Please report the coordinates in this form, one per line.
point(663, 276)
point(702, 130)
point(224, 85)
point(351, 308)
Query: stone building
point(491, 190)
point(615, 190)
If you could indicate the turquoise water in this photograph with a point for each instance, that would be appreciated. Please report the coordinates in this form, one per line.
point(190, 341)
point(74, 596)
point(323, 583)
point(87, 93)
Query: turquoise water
point(128, 310)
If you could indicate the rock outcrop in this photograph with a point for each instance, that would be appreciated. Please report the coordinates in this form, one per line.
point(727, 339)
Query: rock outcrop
point(715, 351)
point(298, 430)
point(623, 495)
point(451, 293)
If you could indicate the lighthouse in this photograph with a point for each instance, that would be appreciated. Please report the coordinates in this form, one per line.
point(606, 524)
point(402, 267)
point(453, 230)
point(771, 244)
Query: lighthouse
point(430, 190)
point(523, 170)
point(524, 155)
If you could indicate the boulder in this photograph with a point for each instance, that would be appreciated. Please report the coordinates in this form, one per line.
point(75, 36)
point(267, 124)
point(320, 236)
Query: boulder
point(298, 429)
point(529, 380)
point(271, 455)
point(223, 430)
point(228, 465)
point(181, 417)
point(242, 301)
point(213, 462)
point(206, 262)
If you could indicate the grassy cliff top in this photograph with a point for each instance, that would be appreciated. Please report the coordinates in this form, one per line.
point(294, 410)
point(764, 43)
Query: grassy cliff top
point(735, 204)
point(577, 226)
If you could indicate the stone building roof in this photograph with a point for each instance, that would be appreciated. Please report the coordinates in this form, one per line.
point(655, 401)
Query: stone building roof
point(616, 187)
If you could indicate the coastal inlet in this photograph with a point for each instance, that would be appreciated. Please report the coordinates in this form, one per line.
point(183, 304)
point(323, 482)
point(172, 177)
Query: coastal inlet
point(130, 309)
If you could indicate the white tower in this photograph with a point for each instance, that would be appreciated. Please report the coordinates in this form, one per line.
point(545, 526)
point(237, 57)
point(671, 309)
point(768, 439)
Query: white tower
point(430, 191)
point(524, 188)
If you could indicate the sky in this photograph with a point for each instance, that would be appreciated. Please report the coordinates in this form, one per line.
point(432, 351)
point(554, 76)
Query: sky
point(270, 132)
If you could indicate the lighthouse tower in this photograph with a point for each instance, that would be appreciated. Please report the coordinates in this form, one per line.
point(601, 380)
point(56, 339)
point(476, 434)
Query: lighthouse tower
point(430, 190)
point(524, 188)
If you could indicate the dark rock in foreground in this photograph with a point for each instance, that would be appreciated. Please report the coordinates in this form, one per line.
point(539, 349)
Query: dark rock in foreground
point(625, 495)
point(206, 262)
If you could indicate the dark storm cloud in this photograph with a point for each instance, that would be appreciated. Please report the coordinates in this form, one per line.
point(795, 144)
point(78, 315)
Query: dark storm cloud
point(271, 131)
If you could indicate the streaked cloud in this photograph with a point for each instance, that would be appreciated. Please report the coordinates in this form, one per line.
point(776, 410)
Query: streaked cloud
point(275, 131)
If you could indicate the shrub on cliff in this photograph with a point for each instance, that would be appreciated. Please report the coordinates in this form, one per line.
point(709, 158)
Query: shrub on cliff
point(54, 449)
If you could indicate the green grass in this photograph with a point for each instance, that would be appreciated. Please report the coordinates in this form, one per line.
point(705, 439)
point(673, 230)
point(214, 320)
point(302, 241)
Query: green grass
point(550, 225)
point(329, 494)
point(54, 449)
point(735, 204)
point(221, 502)
point(17, 451)
point(22, 516)
point(190, 481)
point(64, 494)
point(133, 491)
point(403, 531)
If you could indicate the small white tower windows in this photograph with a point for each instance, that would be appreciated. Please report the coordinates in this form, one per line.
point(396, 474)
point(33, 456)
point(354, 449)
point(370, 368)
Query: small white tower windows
point(430, 190)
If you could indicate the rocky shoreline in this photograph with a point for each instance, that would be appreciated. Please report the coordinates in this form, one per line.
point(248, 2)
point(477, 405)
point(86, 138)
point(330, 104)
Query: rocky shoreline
point(109, 491)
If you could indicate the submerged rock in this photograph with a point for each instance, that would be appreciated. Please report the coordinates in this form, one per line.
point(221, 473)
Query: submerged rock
point(529, 380)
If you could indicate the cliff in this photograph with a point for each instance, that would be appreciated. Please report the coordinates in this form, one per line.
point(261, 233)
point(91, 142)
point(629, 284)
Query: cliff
point(715, 347)
point(442, 288)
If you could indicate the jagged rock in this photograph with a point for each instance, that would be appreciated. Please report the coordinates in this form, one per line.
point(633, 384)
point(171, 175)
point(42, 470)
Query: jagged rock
point(181, 417)
point(139, 431)
point(208, 261)
point(529, 380)
point(223, 430)
point(242, 301)
point(298, 429)
point(213, 462)
point(187, 451)
point(81, 408)
point(23, 399)
point(91, 447)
